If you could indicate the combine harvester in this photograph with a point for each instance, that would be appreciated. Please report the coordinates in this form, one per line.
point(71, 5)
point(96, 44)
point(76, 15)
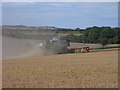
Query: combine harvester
point(59, 45)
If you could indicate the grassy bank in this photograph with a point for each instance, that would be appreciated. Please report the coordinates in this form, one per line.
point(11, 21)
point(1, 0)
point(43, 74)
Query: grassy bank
point(106, 47)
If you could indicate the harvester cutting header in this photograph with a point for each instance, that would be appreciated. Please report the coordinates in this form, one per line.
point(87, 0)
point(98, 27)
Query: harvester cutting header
point(60, 45)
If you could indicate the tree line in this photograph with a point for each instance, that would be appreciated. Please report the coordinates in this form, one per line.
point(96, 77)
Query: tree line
point(98, 35)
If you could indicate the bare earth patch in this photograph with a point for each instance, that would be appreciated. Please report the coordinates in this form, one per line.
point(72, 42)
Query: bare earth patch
point(82, 70)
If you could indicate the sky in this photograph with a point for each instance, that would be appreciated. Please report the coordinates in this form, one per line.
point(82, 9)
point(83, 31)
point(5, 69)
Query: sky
point(60, 0)
point(60, 14)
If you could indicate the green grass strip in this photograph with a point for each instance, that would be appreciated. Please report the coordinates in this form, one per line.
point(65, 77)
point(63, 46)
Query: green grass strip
point(105, 47)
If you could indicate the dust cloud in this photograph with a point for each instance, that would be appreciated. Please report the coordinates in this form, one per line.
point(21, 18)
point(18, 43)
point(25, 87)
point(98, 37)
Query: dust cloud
point(15, 48)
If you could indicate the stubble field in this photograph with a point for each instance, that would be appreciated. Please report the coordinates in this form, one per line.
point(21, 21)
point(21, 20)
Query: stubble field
point(83, 70)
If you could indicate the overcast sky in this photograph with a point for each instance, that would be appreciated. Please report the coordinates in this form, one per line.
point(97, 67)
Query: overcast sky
point(64, 15)
point(60, 0)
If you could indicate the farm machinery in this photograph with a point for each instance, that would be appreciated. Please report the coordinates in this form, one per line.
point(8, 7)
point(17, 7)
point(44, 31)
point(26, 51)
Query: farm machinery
point(79, 50)
point(59, 45)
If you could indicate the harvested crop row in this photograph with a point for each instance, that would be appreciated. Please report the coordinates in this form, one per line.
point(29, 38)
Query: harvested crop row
point(81, 70)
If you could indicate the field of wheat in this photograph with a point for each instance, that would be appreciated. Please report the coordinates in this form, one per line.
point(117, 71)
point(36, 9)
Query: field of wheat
point(79, 70)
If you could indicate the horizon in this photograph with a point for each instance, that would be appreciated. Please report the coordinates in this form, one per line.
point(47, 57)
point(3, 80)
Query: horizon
point(61, 14)
point(59, 27)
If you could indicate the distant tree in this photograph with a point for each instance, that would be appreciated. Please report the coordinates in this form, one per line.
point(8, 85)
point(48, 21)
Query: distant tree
point(85, 36)
point(116, 38)
point(106, 36)
point(77, 29)
point(74, 38)
point(94, 35)
point(103, 41)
